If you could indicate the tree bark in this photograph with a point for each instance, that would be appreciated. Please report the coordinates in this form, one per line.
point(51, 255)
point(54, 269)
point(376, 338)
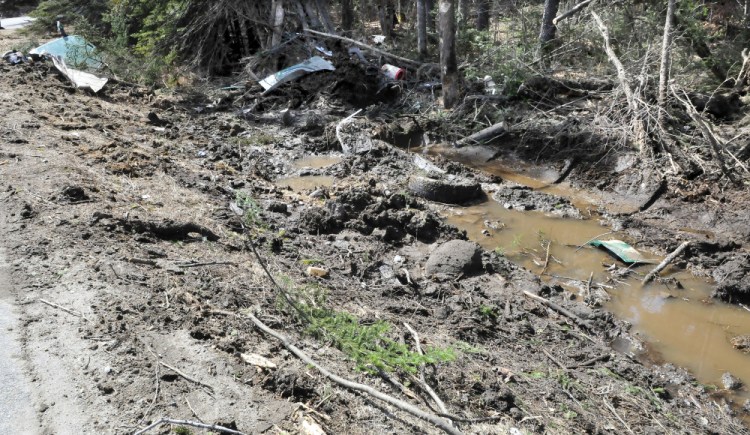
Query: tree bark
point(665, 62)
point(421, 29)
point(483, 14)
point(431, 19)
point(464, 6)
point(325, 16)
point(312, 14)
point(448, 64)
point(277, 18)
point(347, 15)
point(548, 30)
point(385, 15)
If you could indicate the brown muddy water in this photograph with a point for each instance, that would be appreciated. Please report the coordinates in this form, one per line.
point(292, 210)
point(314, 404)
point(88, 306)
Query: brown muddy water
point(305, 183)
point(682, 326)
point(316, 162)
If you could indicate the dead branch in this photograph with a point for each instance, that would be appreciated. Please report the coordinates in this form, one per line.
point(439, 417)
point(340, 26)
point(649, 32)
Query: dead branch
point(166, 420)
point(665, 263)
point(340, 125)
point(422, 382)
point(665, 63)
point(368, 47)
point(60, 307)
point(577, 320)
point(186, 377)
point(707, 133)
point(440, 423)
point(742, 75)
point(591, 361)
point(572, 11)
point(640, 130)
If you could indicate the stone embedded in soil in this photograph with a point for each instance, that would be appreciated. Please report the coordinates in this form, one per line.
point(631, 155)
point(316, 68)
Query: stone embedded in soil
point(455, 257)
point(448, 189)
point(730, 382)
point(741, 342)
point(733, 278)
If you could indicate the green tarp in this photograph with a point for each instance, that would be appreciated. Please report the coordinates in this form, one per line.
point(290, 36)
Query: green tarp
point(622, 250)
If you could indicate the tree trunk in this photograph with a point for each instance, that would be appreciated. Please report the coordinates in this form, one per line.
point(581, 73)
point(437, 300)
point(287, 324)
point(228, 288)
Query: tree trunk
point(483, 14)
point(548, 30)
point(431, 19)
point(464, 6)
point(421, 29)
point(665, 62)
point(325, 17)
point(448, 65)
point(347, 15)
point(312, 14)
point(277, 18)
point(385, 16)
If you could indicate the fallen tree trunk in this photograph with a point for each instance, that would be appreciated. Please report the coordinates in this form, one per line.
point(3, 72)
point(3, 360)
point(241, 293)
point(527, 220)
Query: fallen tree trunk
point(492, 132)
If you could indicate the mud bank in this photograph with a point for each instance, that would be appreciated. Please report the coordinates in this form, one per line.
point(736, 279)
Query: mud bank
point(140, 237)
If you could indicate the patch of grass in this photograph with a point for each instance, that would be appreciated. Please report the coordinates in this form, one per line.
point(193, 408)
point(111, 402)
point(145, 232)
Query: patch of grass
point(470, 348)
point(500, 251)
point(536, 374)
point(310, 261)
point(182, 430)
point(258, 138)
point(488, 312)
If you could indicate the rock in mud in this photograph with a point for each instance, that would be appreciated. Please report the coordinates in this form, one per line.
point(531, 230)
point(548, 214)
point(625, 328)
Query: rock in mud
point(741, 342)
point(733, 281)
point(524, 199)
point(455, 257)
point(449, 189)
point(730, 381)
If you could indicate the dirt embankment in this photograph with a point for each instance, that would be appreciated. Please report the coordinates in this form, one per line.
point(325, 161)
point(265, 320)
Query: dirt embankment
point(136, 233)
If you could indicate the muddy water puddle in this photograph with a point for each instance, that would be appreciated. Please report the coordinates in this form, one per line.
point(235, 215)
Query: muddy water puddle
point(310, 182)
point(681, 326)
point(316, 162)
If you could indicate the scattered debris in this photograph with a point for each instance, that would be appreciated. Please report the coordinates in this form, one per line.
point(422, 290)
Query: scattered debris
point(81, 80)
point(257, 360)
point(393, 72)
point(317, 271)
point(621, 250)
point(73, 50)
point(15, 57)
point(314, 64)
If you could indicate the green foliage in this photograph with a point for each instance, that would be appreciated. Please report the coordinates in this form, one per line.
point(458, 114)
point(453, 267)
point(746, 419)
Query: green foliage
point(369, 345)
point(488, 312)
point(182, 430)
point(503, 62)
point(252, 211)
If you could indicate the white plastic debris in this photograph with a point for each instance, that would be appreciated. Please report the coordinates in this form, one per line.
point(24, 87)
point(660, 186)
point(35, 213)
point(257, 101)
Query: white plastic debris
point(80, 79)
point(257, 360)
point(315, 63)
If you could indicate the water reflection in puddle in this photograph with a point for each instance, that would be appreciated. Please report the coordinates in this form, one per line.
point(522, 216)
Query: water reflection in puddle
point(682, 326)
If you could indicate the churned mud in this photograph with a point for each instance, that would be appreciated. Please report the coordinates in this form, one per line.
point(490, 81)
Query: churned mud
point(131, 265)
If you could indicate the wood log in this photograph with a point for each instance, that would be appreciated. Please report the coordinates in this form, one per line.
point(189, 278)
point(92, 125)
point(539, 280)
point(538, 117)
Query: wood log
point(485, 135)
